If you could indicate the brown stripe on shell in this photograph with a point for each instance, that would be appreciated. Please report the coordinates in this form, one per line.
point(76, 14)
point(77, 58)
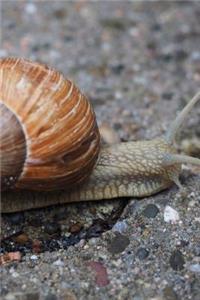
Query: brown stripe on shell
point(59, 123)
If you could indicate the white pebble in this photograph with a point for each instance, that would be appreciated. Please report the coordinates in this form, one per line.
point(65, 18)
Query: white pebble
point(34, 257)
point(194, 268)
point(58, 263)
point(120, 226)
point(13, 272)
point(3, 53)
point(195, 55)
point(118, 95)
point(171, 215)
point(30, 8)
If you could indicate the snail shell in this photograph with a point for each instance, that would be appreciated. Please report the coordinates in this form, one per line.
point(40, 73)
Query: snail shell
point(49, 135)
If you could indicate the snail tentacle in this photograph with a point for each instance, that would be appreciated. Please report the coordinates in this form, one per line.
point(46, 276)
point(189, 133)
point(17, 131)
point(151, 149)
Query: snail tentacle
point(172, 159)
point(177, 123)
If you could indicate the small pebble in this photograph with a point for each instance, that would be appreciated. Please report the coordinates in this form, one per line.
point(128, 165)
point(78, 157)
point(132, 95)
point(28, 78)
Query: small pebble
point(142, 253)
point(60, 13)
point(21, 239)
point(171, 215)
point(100, 273)
point(15, 274)
point(52, 228)
point(169, 293)
point(150, 211)
point(22, 296)
point(33, 257)
point(180, 54)
point(58, 263)
point(35, 221)
point(50, 297)
point(177, 260)
point(67, 294)
point(195, 287)
point(36, 246)
point(195, 55)
point(194, 268)
point(75, 228)
point(10, 257)
point(3, 53)
point(16, 218)
point(118, 68)
point(167, 95)
point(97, 228)
point(30, 8)
point(196, 250)
point(118, 244)
point(120, 226)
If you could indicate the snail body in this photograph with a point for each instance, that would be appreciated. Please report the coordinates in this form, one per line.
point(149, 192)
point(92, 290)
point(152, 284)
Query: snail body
point(50, 142)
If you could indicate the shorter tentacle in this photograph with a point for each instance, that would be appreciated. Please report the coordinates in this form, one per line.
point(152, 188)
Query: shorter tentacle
point(175, 178)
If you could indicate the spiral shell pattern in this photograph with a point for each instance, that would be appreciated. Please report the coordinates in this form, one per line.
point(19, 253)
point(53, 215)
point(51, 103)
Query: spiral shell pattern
point(61, 135)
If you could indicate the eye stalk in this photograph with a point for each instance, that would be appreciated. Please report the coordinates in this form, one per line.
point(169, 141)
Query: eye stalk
point(172, 132)
point(178, 122)
point(171, 160)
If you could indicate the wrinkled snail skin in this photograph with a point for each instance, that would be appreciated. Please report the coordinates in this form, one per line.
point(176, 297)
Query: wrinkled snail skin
point(123, 170)
point(60, 158)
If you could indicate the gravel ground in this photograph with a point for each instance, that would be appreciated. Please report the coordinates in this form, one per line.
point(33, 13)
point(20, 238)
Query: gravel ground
point(139, 63)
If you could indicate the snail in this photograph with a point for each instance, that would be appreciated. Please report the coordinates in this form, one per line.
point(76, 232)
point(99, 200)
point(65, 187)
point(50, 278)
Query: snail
point(51, 151)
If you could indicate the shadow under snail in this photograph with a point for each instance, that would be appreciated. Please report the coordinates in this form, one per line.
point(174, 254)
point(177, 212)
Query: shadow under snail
point(50, 141)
